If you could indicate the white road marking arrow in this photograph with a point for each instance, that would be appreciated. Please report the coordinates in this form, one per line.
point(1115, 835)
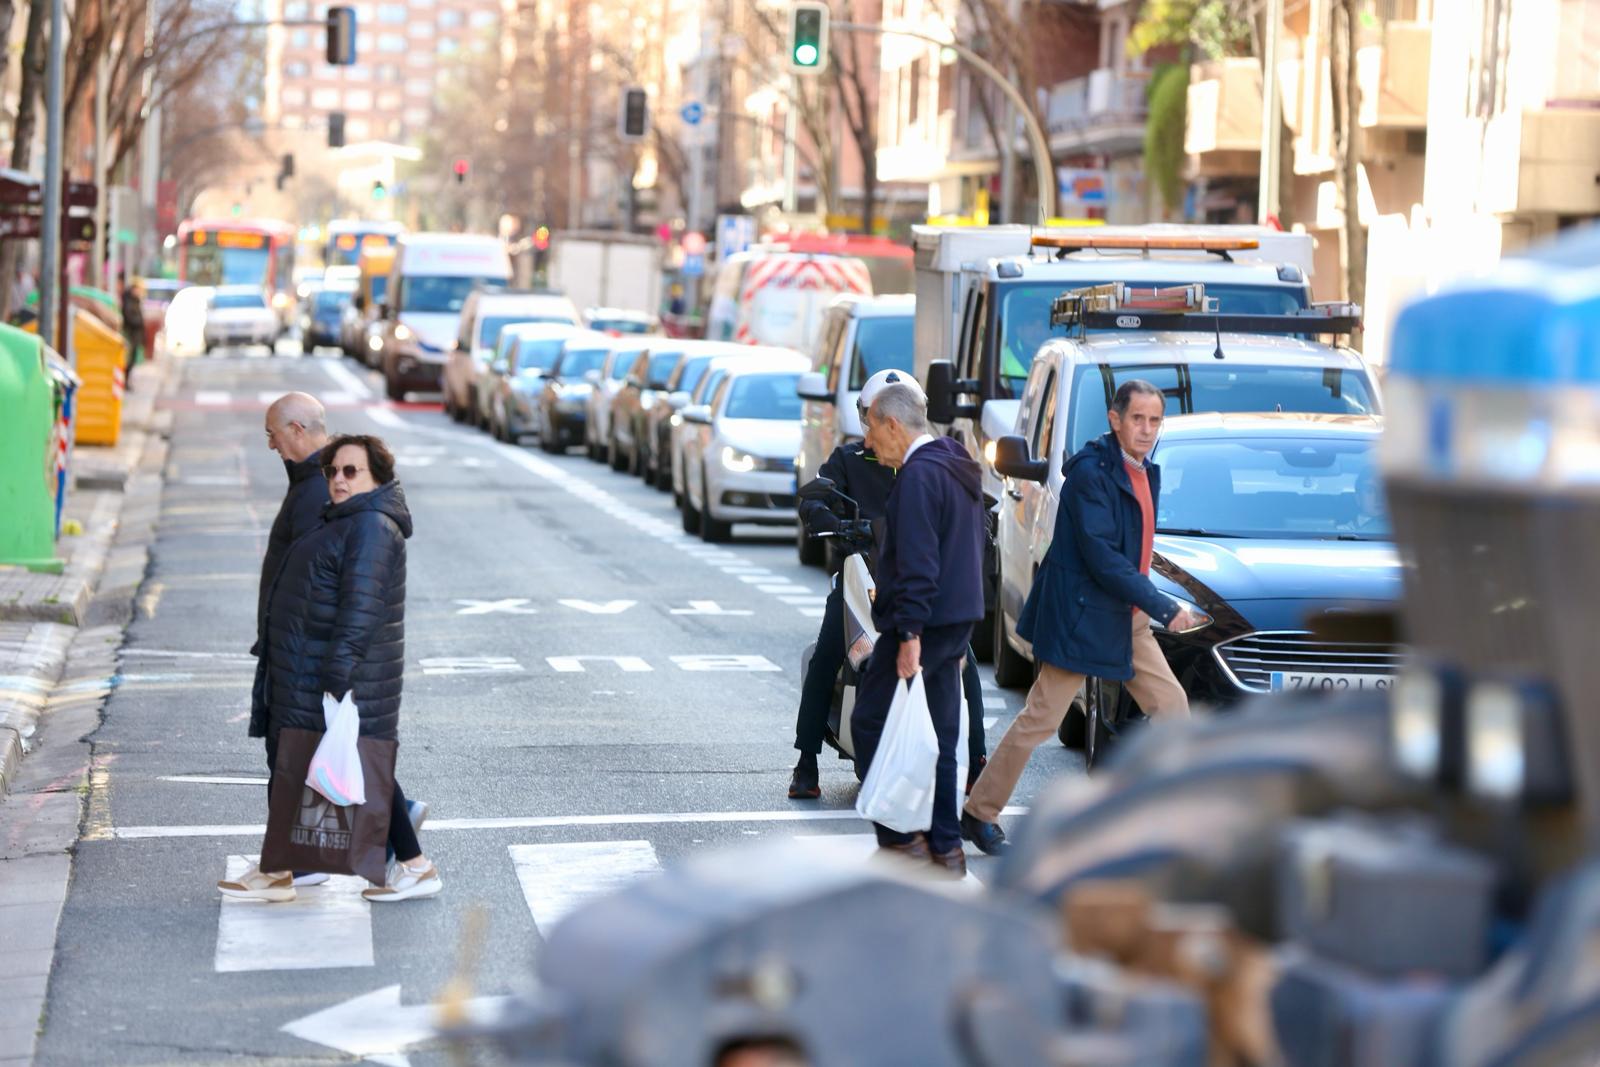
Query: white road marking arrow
point(707, 607)
point(610, 607)
point(377, 1027)
point(512, 606)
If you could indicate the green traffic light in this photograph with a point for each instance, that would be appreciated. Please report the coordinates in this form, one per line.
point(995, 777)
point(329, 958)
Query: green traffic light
point(806, 55)
point(807, 29)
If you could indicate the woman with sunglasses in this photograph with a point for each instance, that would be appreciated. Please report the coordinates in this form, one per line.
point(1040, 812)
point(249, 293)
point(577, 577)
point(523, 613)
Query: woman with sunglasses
point(336, 623)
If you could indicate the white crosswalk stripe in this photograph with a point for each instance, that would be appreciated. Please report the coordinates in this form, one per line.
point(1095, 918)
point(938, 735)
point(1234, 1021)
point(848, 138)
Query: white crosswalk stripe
point(324, 926)
point(558, 878)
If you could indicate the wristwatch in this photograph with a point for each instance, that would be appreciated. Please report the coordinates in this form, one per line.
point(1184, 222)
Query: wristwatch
point(907, 635)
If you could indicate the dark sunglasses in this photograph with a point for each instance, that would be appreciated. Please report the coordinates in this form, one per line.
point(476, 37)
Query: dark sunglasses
point(349, 470)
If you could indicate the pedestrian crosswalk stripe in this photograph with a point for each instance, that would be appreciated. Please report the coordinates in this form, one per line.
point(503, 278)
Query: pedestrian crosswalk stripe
point(994, 704)
point(324, 926)
point(813, 613)
point(804, 601)
point(989, 721)
point(211, 397)
point(557, 878)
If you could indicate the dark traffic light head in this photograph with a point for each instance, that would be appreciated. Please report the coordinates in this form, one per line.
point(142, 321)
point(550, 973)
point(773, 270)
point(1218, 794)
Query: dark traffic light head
point(342, 36)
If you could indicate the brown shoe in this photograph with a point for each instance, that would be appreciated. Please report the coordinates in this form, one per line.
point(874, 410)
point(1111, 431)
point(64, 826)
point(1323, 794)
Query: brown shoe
point(916, 850)
point(952, 863)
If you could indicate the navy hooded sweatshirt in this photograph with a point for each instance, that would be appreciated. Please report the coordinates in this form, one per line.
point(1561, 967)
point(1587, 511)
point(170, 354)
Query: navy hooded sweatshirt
point(930, 572)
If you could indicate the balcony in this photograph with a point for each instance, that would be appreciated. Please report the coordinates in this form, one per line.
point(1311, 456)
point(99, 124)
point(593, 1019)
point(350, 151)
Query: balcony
point(1392, 73)
point(1223, 134)
point(1103, 112)
point(1549, 167)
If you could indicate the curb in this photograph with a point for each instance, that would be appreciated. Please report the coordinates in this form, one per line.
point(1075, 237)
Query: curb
point(23, 695)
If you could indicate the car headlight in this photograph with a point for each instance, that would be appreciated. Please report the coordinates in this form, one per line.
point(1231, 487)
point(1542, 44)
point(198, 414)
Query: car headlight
point(737, 461)
point(375, 342)
point(647, 401)
point(402, 332)
point(676, 420)
point(1205, 619)
point(989, 451)
point(280, 300)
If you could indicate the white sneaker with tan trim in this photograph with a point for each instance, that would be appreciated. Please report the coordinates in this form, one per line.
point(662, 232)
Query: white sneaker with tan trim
point(256, 884)
point(405, 883)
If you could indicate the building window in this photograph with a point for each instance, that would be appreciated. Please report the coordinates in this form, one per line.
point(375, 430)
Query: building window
point(419, 58)
point(363, 43)
point(293, 98)
point(449, 18)
point(480, 20)
point(325, 99)
point(394, 14)
point(358, 128)
point(358, 73)
point(914, 91)
point(295, 69)
point(296, 9)
point(418, 116)
point(363, 13)
point(391, 42)
point(390, 101)
point(299, 39)
point(480, 45)
point(449, 46)
point(358, 100)
point(420, 30)
point(419, 86)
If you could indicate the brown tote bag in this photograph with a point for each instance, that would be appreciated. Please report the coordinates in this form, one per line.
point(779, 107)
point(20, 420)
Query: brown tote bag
point(306, 832)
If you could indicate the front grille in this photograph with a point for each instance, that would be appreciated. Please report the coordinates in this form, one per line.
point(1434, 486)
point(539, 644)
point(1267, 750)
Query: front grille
point(1252, 659)
point(778, 464)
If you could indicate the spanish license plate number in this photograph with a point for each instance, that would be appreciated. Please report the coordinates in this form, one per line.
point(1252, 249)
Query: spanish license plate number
point(1305, 682)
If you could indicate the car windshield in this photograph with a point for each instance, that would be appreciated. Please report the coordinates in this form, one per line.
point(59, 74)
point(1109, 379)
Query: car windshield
point(1025, 317)
point(1272, 488)
point(232, 301)
point(625, 326)
point(440, 294)
point(380, 285)
point(763, 396)
point(691, 372)
point(489, 330)
point(622, 364)
point(539, 355)
point(1226, 387)
point(708, 385)
point(576, 362)
point(661, 365)
point(882, 344)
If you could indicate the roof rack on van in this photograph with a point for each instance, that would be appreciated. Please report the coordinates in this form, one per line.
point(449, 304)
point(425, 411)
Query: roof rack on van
point(1067, 243)
point(1120, 306)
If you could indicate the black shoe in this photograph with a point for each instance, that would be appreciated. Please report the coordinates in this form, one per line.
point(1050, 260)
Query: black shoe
point(990, 839)
point(803, 784)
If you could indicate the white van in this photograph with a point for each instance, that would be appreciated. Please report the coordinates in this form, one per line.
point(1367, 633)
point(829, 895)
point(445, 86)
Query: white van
point(777, 298)
point(433, 275)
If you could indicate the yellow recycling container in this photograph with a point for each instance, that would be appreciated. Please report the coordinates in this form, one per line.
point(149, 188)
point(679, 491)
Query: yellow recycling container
point(100, 353)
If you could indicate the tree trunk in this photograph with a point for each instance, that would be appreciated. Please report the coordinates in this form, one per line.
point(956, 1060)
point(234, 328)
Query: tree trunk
point(1347, 151)
point(8, 11)
point(33, 69)
point(869, 189)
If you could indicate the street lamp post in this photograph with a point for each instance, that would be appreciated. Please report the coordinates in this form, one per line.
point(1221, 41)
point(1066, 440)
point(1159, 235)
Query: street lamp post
point(52, 324)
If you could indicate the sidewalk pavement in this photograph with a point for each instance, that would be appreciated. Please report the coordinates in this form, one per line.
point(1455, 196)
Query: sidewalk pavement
point(59, 636)
point(40, 614)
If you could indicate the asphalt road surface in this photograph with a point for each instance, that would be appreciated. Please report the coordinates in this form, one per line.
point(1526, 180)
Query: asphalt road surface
point(591, 695)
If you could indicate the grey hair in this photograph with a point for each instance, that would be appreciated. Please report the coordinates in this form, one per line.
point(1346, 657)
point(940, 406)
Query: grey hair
point(302, 408)
point(904, 405)
point(1130, 389)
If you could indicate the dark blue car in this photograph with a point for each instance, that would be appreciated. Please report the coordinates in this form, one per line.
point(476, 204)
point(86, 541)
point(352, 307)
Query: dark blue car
point(323, 317)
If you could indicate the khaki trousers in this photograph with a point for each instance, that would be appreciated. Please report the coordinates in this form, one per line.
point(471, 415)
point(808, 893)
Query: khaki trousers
point(1153, 685)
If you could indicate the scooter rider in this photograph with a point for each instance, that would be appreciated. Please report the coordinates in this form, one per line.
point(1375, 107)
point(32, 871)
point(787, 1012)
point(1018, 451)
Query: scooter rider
point(858, 474)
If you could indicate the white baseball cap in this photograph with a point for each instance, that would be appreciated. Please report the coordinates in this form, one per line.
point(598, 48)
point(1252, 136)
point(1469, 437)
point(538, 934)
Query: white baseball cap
point(881, 381)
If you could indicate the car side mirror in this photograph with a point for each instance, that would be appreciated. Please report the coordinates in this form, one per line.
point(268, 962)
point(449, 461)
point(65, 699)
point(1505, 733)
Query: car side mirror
point(1011, 458)
point(699, 414)
point(592, 377)
point(944, 391)
point(813, 386)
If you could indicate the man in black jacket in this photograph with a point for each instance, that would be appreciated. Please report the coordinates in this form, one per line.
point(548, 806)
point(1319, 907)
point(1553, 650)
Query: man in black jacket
point(930, 592)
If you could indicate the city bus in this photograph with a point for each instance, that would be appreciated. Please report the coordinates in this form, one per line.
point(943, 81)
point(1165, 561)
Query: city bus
point(347, 237)
point(240, 252)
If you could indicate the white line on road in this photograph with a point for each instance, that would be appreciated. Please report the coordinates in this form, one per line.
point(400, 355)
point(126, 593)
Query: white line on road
point(385, 417)
point(813, 613)
point(212, 397)
point(558, 878)
point(529, 822)
point(470, 665)
point(345, 377)
point(804, 601)
point(989, 721)
point(993, 704)
point(324, 926)
point(210, 779)
point(173, 653)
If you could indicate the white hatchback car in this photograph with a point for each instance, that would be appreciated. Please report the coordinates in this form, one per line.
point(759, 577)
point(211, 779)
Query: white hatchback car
point(239, 315)
point(183, 332)
point(739, 449)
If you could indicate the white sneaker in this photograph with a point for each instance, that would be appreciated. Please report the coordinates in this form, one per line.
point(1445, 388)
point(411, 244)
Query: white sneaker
point(311, 878)
point(405, 883)
point(254, 884)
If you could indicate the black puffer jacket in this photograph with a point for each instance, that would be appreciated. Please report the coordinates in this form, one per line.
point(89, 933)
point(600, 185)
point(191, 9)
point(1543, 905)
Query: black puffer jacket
point(298, 515)
point(336, 619)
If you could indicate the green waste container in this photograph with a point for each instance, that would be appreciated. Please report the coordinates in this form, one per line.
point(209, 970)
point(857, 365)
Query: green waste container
point(29, 479)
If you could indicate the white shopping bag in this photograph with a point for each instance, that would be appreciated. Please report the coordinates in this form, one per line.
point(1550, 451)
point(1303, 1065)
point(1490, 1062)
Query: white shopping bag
point(335, 769)
point(898, 789)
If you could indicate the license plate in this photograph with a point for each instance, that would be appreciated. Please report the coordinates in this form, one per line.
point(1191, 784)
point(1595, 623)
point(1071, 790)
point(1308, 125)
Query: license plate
point(1308, 681)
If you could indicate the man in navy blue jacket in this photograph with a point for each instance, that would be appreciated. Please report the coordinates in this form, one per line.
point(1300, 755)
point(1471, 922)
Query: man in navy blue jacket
point(1088, 613)
point(930, 592)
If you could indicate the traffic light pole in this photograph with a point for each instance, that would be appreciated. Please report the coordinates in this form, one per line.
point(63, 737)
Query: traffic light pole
point(1041, 145)
point(52, 275)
